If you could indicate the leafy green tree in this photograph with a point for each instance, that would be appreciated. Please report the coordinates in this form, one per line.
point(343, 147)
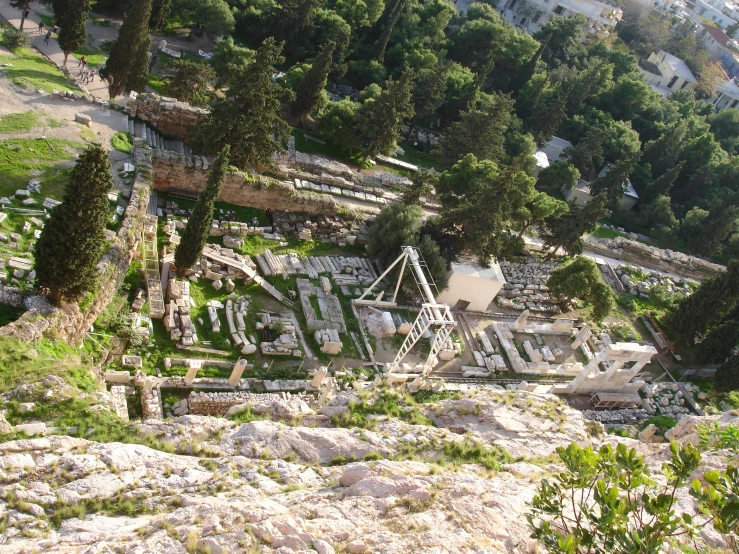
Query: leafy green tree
point(540, 207)
point(658, 212)
point(607, 502)
point(429, 93)
point(67, 253)
point(190, 82)
point(249, 119)
point(400, 225)
point(58, 7)
point(725, 127)
point(528, 70)
point(229, 59)
point(587, 155)
point(338, 122)
point(479, 201)
point(216, 17)
point(159, 18)
point(727, 375)
point(380, 119)
point(21, 5)
point(715, 298)
point(612, 181)
point(567, 231)
point(663, 153)
point(309, 92)
point(124, 69)
point(422, 185)
point(479, 132)
point(562, 36)
point(547, 118)
point(558, 176)
point(581, 279)
point(721, 340)
point(198, 224)
point(72, 33)
point(359, 13)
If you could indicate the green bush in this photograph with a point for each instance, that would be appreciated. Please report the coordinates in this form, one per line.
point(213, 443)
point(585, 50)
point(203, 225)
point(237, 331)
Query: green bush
point(122, 142)
point(14, 39)
point(663, 422)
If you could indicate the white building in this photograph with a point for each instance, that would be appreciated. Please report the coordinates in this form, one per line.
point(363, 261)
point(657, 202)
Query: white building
point(722, 13)
point(471, 286)
point(532, 14)
point(666, 73)
point(727, 96)
point(580, 193)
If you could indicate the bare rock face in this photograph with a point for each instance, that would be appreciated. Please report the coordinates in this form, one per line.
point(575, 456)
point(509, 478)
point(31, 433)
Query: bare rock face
point(265, 486)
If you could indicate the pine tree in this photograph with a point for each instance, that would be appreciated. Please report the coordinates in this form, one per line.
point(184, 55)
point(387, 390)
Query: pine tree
point(159, 17)
point(309, 91)
point(662, 154)
point(59, 7)
point(128, 59)
point(249, 120)
point(566, 231)
point(72, 241)
point(380, 119)
point(21, 5)
point(581, 279)
point(73, 33)
point(198, 224)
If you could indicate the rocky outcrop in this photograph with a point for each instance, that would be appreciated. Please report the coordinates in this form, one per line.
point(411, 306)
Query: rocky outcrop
point(266, 487)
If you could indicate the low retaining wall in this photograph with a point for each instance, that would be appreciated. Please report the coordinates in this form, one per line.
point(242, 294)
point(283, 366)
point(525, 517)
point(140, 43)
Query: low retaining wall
point(184, 174)
point(69, 322)
point(167, 115)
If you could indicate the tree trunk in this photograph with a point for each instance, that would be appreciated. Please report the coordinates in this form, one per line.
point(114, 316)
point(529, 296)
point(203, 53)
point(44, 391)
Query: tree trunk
point(23, 20)
point(66, 55)
point(524, 230)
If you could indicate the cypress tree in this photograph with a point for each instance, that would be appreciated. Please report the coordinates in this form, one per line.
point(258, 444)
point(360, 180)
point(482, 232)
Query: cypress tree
point(159, 17)
point(309, 91)
point(198, 224)
point(661, 185)
point(547, 119)
point(72, 241)
point(528, 69)
point(727, 375)
point(128, 61)
point(249, 120)
point(72, 33)
point(387, 24)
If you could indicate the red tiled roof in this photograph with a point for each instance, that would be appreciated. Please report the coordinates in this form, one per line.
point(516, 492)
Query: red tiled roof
point(718, 35)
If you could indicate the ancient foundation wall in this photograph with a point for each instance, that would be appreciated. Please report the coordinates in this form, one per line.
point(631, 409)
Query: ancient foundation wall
point(167, 115)
point(218, 403)
point(187, 175)
point(69, 322)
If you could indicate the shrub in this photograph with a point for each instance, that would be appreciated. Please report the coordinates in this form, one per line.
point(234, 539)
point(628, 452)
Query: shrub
point(122, 142)
point(14, 39)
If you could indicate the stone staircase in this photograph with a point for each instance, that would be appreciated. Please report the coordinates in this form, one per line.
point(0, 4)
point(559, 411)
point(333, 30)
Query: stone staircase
point(156, 140)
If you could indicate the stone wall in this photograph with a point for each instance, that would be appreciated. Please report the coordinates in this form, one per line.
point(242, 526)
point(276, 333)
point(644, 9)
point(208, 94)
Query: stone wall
point(166, 115)
point(69, 322)
point(187, 175)
point(218, 403)
point(10, 295)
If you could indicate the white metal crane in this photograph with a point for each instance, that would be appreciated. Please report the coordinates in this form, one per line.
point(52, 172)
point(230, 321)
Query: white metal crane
point(434, 317)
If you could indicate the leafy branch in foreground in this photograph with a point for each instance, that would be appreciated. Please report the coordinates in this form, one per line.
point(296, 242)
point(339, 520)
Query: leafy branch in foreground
point(606, 502)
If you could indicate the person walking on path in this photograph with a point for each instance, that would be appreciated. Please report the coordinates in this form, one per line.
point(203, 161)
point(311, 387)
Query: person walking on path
point(92, 76)
point(41, 28)
point(83, 62)
point(48, 36)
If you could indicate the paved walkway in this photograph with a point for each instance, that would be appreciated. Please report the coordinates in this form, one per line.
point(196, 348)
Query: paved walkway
point(52, 51)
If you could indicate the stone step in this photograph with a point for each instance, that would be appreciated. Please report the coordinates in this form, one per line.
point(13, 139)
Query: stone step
point(131, 127)
point(139, 129)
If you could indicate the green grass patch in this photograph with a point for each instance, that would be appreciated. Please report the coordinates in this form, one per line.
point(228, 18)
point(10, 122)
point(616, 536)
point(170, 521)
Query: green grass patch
point(31, 70)
point(604, 233)
point(663, 422)
point(122, 142)
point(385, 403)
point(339, 153)
point(94, 56)
point(20, 158)
point(419, 158)
point(242, 213)
point(157, 84)
point(19, 122)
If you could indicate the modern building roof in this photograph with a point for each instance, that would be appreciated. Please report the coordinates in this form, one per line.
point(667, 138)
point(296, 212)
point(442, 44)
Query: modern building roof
point(553, 148)
point(730, 88)
point(678, 66)
point(629, 189)
point(470, 267)
point(717, 34)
